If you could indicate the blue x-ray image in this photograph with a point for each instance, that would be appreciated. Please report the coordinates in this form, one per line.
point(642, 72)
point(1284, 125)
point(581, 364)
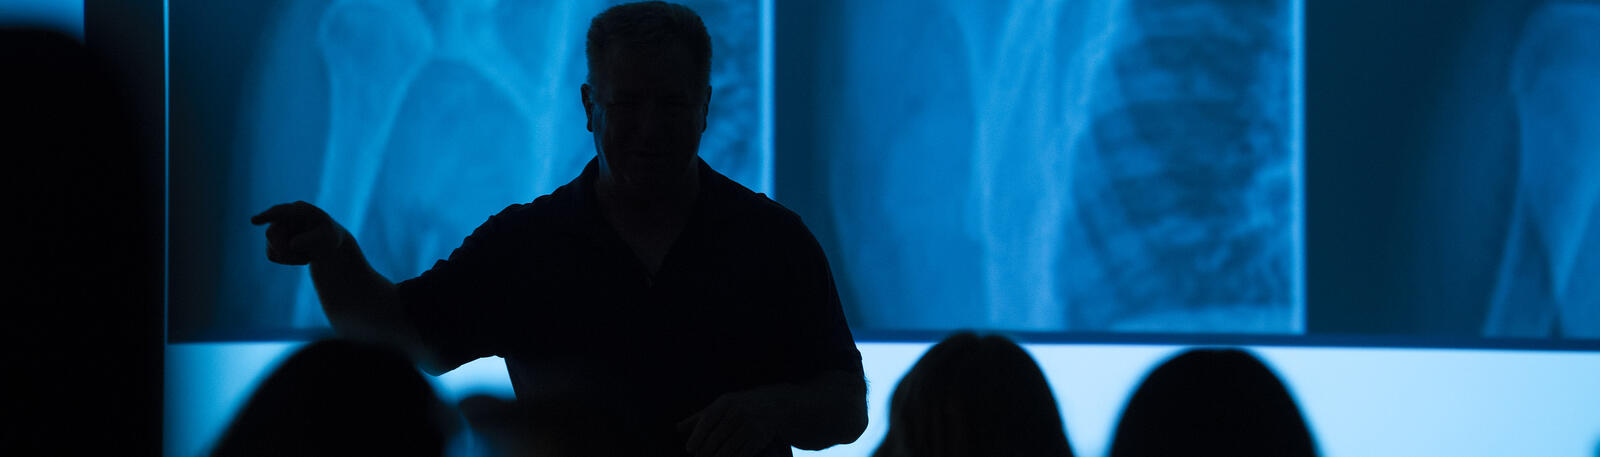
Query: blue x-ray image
point(1546, 282)
point(410, 122)
point(1113, 165)
point(442, 113)
point(1119, 165)
point(1024, 165)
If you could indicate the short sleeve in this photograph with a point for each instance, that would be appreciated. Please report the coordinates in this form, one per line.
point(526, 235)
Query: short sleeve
point(822, 333)
point(457, 306)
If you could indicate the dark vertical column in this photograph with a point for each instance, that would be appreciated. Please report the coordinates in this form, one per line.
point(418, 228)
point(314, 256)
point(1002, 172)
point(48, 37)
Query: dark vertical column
point(1362, 87)
point(127, 37)
point(1384, 255)
point(805, 78)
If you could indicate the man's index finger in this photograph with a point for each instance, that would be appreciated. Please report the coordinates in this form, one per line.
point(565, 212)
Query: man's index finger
point(271, 214)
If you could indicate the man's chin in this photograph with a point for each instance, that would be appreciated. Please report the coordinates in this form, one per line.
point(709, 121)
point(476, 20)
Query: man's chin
point(654, 182)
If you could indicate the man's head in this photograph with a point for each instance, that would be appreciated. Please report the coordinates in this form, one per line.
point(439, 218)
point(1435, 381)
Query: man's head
point(648, 92)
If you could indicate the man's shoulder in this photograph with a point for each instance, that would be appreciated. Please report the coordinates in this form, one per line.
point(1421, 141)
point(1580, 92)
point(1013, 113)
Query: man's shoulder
point(757, 208)
point(546, 211)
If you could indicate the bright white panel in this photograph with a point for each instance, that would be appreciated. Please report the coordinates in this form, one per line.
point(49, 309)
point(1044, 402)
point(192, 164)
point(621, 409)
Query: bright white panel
point(1358, 401)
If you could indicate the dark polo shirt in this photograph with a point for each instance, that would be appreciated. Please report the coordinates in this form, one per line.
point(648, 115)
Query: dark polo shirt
point(605, 359)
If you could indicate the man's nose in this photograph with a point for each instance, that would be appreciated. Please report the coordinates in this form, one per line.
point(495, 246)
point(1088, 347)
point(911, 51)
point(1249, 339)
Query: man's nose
point(648, 124)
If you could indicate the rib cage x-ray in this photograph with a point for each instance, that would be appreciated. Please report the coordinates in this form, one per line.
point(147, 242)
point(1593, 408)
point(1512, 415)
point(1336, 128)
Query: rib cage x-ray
point(1549, 277)
point(1125, 165)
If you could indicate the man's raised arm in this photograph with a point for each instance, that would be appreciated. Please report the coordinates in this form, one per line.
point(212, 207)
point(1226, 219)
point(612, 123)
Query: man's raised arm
point(360, 303)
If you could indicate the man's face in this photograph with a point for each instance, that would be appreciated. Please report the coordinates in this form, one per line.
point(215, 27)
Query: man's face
point(647, 109)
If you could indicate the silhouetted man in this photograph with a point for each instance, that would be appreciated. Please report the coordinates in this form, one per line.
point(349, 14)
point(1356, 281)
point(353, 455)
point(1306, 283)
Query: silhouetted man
point(650, 306)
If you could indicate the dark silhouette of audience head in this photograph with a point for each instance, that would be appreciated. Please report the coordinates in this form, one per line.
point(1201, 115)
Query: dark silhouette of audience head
point(974, 395)
point(1212, 402)
point(339, 397)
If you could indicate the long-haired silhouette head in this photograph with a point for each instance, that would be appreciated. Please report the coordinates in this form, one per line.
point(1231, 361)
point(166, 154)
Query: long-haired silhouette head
point(1212, 402)
point(974, 396)
point(338, 397)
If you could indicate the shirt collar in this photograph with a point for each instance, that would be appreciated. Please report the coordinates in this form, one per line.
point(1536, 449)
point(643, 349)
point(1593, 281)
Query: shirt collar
point(711, 204)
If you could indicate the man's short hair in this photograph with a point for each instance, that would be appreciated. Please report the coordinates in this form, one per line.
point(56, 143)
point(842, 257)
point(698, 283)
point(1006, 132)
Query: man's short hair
point(649, 24)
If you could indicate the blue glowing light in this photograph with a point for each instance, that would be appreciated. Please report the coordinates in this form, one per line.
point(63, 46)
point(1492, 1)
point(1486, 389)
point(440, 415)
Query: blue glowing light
point(1358, 402)
point(65, 16)
point(1108, 165)
point(1043, 166)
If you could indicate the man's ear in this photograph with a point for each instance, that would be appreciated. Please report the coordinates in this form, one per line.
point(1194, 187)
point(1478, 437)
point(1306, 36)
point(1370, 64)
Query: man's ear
point(588, 106)
point(705, 110)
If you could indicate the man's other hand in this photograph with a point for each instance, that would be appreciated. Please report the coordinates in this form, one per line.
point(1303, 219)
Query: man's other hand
point(299, 233)
point(739, 424)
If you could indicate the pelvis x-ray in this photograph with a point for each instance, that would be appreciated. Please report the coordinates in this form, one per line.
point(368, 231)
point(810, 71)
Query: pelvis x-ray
point(1116, 165)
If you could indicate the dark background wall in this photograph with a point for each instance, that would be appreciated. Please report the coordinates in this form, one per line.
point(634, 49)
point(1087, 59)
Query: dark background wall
point(128, 36)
